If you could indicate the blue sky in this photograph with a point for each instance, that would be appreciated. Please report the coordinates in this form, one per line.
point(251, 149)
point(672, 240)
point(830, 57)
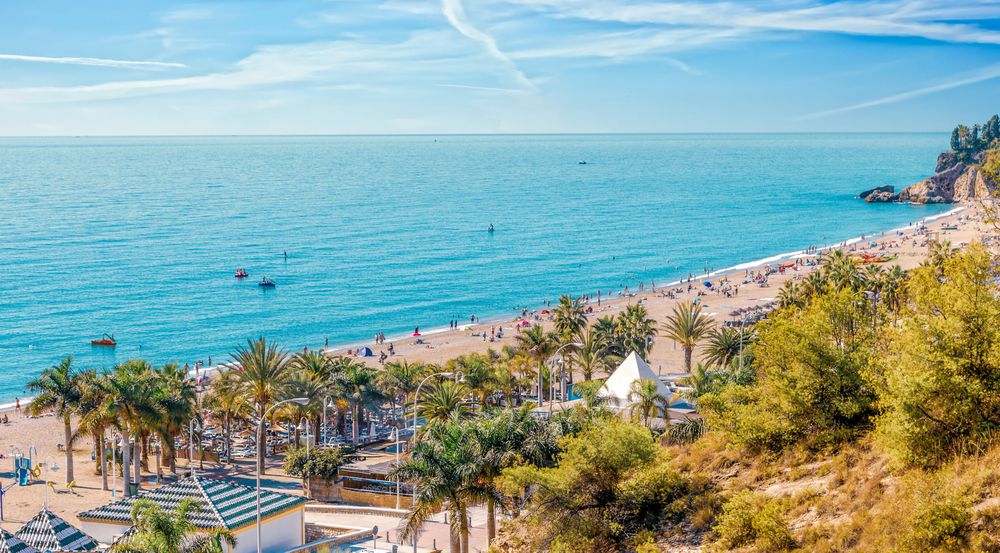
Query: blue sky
point(496, 66)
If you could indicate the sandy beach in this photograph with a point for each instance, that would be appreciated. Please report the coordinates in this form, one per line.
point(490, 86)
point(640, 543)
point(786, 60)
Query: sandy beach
point(44, 433)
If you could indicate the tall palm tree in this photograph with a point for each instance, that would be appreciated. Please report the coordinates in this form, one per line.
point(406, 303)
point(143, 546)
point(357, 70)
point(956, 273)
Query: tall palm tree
point(594, 356)
point(687, 326)
point(309, 385)
point(263, 372)
point(443, 468)
point(499, 441)
point(127, 402)
point(814, 284)
point(315, 363)
point(227, 405)
point(360, 390)
point(401, 379)
point(635, 330)
point(723, 346)
point(480, 374)
point(570, 316)
point(941, 252)
point(90, 400)
point(537, 345)
point(790, 295)
point(59, 391)
point(646, 400)
point(178, 399)
point(894, 288)
point(161, 531)
point(444, 401)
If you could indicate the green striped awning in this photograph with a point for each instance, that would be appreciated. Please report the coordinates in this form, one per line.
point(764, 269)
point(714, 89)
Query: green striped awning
point(223, 504)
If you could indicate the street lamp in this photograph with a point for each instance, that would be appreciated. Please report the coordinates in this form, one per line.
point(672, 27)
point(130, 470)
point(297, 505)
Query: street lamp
point(416, 396)
point(552, 399)
point(395, 435)
point(304, 428)
point(325, 407)
point(55, 468)
point(192, 428)
point(261, 438)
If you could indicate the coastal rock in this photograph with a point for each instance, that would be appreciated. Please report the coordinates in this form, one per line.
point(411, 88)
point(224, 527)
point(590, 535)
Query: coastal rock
point(881, 196)
point(954, 182)
point(888, 188)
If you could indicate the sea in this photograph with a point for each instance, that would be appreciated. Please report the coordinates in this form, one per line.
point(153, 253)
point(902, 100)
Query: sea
point(141, 237)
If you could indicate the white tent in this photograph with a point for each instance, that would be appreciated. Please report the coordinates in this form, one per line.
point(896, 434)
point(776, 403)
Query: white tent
point(620, 382)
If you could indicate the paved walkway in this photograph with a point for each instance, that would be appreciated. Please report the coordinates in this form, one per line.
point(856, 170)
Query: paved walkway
point(434, 535)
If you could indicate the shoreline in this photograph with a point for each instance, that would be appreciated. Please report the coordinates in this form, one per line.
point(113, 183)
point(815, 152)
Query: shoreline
point(607, 302)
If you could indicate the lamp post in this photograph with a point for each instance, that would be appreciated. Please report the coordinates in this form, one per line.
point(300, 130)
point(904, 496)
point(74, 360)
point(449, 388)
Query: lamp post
point(55, 468)
point(325, 407)
point(304, 428)
point(416, 396)
point(192, 427)
point(395, 433)
point(260, 432)
point(552, 399)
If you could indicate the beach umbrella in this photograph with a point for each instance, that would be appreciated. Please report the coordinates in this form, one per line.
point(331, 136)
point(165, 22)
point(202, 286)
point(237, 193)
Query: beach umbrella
point(545, 311)
point(466, 327)
point(709, 284)
point(525, 323)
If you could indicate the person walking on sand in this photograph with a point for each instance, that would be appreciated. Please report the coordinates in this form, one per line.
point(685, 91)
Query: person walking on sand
point(17, 405)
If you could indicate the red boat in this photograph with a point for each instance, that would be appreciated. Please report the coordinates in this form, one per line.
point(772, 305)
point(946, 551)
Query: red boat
point(241, 274)
point(106, 340)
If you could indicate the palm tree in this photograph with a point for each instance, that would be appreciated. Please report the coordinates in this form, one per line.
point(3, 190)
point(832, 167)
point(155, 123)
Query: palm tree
point(127, 401)
point(263, 371)
point(646, 400)
point(309, 385)
point(842, 273)
point(479, 372)
point(227, 405)
point(894, 288)
point(444, 468)
point(315, 363)
point(593, 356)
point(160, 531)
point(687, 326)
point(401, 378)
point(360, 390)
point(635, 330)
point(444, 401)
point(499, 440)
point(569, 315)
point(90, 400)
point(722, 346)
point(537, 345)
point(59, 391)
point(178, 400)
point(790, 295)
point(941, 252)
point(701, 382)
point(814, 284)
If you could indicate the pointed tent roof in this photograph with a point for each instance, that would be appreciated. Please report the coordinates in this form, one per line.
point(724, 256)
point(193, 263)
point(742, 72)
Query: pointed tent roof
point(632, 368)
point(223, 504)
point(47, 532)
point(9, 543)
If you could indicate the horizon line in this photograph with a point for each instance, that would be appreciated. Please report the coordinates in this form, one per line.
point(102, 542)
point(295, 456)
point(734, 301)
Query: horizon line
point(455, 134)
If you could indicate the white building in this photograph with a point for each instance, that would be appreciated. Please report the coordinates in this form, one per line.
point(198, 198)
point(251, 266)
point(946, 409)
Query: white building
point(223, 505)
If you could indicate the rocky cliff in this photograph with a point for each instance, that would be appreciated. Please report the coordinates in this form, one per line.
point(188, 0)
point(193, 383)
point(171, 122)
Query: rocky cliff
point(955, 181)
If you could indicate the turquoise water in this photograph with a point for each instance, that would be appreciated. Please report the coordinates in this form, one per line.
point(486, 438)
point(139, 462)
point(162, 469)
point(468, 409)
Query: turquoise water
point(141, 237)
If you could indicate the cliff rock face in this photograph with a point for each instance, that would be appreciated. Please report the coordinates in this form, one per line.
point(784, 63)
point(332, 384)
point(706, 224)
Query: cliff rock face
point(954, 182)
point(888, 188)
point(882, 196)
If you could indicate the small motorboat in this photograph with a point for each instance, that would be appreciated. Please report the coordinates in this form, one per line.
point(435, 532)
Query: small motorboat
point(266, 283)
point(106, 340)
point(240, 273)
point(490, 229)
point(583, 162)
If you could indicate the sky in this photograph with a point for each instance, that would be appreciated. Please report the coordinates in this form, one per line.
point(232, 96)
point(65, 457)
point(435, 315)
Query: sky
point(496, 66)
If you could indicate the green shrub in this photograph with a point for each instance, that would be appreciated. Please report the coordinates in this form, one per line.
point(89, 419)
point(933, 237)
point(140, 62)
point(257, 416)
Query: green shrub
point(940, 518)
point(752, 519)
point(319, 463)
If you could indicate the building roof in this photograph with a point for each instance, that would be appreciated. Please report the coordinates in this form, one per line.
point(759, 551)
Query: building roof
point(47, 532)
point(223, 504)
point(632, 368)
point(9, 543)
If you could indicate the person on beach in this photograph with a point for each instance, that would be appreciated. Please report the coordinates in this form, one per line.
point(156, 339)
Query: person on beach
point(17, 405)
point(209, 360)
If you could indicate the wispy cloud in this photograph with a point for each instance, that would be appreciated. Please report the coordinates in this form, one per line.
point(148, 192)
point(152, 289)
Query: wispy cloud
point(455, 14)
point(931, 19)
point(482, 88)
point(154, 65)
point(985, 74)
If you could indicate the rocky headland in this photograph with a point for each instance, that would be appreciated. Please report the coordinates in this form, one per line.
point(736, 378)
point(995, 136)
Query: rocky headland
point(959, 175)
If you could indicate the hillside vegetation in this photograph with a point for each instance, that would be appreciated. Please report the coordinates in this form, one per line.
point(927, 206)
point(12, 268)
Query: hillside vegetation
point(866, 421)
